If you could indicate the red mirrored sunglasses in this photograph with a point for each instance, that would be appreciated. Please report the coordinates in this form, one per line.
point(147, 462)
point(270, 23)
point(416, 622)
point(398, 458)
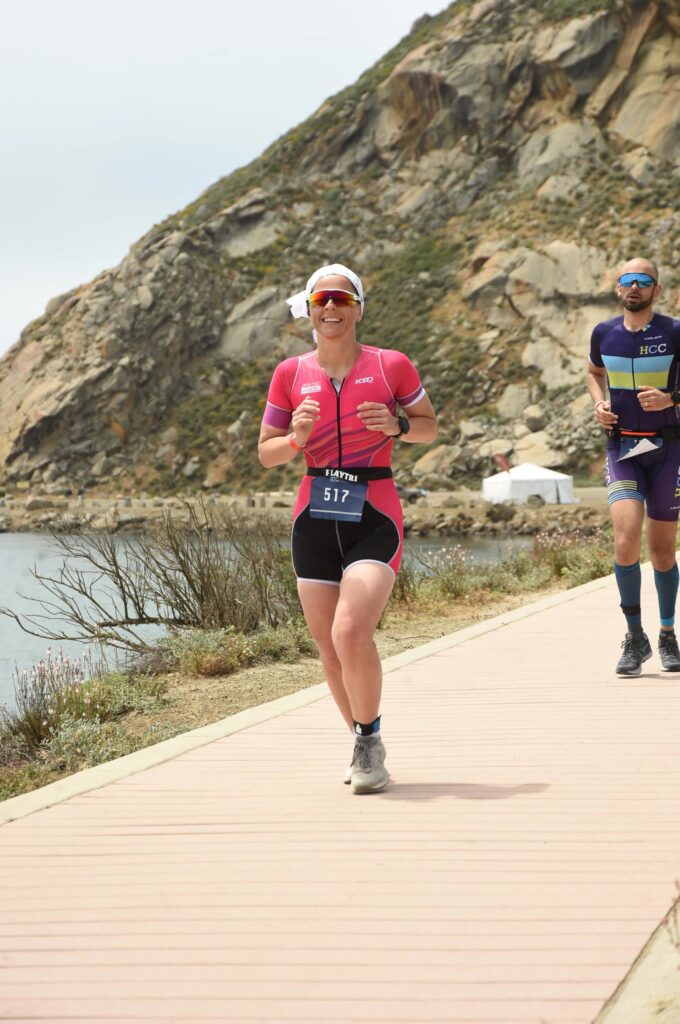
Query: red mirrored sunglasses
point(336, 295)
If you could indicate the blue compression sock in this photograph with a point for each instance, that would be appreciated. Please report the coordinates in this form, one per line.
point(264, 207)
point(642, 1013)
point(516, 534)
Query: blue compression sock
point(667, 590)
point(629, 579)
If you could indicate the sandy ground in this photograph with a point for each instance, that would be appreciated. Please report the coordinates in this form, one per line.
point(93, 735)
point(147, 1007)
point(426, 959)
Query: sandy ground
point(651, 992)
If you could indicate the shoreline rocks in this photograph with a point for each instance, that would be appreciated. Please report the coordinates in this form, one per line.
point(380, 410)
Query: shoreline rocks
point(440, 514)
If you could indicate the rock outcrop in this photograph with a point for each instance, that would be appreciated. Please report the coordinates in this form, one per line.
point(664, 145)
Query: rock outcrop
point(487, 176)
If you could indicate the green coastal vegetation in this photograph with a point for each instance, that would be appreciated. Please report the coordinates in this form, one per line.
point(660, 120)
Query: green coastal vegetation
point(233, 632)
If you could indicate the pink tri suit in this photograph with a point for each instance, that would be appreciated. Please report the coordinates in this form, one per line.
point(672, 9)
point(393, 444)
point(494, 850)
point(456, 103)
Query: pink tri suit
point(323, 549)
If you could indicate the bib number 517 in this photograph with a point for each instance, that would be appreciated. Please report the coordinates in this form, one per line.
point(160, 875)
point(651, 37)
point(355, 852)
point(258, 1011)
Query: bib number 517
point(335, 494)
point(336, 499)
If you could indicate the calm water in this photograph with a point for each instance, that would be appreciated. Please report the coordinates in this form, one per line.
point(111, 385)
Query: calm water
point(477, 549)
point(21, 552)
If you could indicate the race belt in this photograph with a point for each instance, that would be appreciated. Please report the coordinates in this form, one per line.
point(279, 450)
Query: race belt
point(667, 433)
point(355, 473)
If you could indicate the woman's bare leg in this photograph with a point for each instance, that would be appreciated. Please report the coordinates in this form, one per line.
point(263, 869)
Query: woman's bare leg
point(364, 592)
point(319, 602)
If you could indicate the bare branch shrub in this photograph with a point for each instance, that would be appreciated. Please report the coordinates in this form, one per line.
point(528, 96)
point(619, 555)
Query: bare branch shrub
point(220, 569)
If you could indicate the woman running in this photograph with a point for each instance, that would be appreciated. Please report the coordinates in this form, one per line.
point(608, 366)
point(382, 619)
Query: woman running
point(341, 403)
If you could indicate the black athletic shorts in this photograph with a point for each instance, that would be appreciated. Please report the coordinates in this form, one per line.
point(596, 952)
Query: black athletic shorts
point(323, 548)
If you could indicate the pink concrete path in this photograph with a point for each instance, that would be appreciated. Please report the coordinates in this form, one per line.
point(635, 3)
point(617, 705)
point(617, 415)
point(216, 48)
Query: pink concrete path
point(511, 875)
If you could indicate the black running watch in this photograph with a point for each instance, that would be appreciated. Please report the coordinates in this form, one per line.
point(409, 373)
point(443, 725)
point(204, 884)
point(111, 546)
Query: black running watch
point(405, 424)
point(675, 397)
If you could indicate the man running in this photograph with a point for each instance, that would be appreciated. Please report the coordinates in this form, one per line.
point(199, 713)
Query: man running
point(638, 356)
point(342, 403)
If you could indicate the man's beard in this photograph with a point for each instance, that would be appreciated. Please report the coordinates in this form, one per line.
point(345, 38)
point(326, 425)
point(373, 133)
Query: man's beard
point(637, 305)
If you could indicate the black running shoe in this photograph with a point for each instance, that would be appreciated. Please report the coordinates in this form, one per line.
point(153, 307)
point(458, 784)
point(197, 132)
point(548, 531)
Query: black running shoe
point(668, 651)
point(636, 649)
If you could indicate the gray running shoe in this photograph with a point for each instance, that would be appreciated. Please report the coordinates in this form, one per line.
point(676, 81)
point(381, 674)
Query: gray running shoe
point(369, 774)
point(348, 770)
point(668, 651)
point(636, 649)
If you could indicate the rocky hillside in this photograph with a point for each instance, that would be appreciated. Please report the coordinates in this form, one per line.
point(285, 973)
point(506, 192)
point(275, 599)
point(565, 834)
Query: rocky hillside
point(485, 177)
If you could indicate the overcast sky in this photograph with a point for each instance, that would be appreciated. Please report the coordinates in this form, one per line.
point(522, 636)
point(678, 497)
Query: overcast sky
point(114, 116)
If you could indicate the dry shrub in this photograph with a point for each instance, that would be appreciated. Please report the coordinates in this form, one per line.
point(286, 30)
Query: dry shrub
point(221, 570)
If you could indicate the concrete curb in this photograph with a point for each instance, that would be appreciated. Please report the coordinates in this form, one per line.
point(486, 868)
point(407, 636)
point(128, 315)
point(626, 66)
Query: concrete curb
point(112, 771)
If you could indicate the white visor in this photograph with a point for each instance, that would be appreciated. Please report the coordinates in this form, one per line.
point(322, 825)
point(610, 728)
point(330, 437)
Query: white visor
point(298, 302)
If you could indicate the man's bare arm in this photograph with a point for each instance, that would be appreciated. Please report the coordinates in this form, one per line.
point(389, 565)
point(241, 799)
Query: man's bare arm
point(596, 380)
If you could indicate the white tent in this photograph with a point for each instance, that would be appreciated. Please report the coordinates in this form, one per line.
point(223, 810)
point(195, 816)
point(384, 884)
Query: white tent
point(518, 483)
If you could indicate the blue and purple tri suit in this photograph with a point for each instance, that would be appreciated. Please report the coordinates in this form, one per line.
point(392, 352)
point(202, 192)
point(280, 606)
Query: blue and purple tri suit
point(631, 358)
